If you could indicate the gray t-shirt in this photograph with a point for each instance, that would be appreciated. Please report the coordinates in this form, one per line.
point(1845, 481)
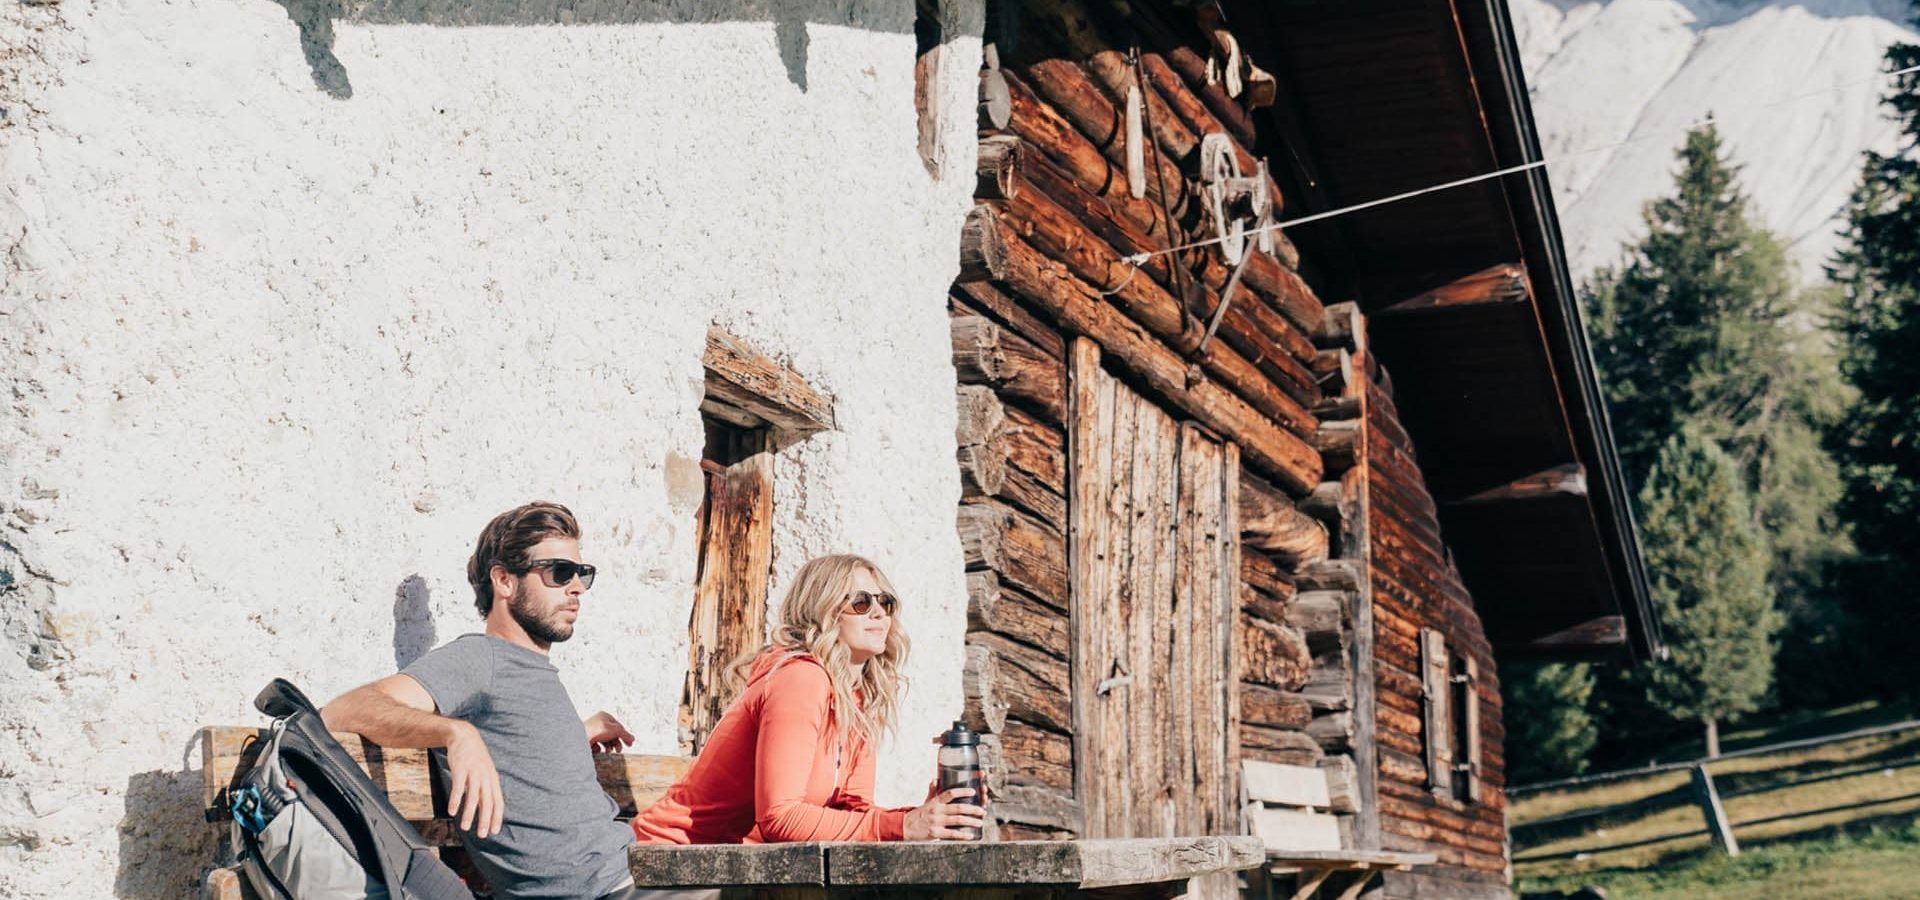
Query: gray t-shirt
point(559, 837)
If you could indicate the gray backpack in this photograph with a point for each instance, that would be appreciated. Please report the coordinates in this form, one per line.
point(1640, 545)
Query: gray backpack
point(309, 825)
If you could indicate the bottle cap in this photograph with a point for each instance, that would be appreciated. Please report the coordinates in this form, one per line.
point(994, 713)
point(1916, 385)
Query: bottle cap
point(960, 736)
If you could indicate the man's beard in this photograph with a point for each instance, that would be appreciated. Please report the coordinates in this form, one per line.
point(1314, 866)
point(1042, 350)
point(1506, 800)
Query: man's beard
point(547, 630)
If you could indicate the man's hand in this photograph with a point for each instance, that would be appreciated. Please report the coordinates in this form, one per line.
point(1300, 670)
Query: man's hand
point(474, 796)
point(606, 733)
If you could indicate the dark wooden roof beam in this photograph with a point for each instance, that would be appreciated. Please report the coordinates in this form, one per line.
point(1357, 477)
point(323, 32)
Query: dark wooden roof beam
point(1569, 480)
point(1499, 285)
point(1603, 633)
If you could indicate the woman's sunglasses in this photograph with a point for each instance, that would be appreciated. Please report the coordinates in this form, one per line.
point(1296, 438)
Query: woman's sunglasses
point(560, 572)
point(861, 602)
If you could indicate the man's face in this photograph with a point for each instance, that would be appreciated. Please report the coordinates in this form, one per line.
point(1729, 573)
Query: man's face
point(547, 613)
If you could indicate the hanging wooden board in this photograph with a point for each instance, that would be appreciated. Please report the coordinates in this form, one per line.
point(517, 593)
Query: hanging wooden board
point(1136, 145)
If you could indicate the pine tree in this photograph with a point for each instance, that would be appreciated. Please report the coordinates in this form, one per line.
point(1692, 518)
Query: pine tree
point(1709, 584)
point(1702, 328)
point(1550, 725)
point(1688, 326)
point(1878, 271)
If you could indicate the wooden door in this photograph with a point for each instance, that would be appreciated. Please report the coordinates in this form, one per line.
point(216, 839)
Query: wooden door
point(1154, 561)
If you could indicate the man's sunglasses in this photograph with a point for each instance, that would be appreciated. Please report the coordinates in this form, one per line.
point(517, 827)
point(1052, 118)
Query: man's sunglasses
point(861, 602)
point(560, 572)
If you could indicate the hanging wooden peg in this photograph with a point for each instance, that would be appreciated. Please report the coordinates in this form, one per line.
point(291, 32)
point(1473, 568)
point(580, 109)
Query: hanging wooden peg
point(996, 102)
point(1136, 144)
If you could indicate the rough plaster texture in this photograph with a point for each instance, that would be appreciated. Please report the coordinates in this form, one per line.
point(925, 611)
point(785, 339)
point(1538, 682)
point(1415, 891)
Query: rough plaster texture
point(298, 293)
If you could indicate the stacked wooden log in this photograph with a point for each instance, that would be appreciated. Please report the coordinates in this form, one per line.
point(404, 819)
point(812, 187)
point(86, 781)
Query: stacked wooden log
point(1415, 587)
point(1050, 253)
point(1012, 520)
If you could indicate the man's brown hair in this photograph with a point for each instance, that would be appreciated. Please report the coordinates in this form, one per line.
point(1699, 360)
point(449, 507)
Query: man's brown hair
point(506, 540)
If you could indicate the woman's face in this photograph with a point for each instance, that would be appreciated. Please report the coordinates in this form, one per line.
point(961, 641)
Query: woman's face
point(864, 634)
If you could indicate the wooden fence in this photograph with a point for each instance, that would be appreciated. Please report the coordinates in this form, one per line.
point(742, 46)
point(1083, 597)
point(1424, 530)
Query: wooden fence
point(1701, 791)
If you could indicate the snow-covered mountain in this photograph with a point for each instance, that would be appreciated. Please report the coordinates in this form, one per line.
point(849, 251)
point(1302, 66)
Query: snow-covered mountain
point(1793, 85)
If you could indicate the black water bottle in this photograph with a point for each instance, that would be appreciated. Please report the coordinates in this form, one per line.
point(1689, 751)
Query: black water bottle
point(960, 768)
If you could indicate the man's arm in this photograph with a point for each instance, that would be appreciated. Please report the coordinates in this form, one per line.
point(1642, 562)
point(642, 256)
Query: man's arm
point(397, 712)
point(393, 712)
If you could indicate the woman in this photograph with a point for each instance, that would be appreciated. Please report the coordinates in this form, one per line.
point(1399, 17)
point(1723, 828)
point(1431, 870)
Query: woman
point(792, 759)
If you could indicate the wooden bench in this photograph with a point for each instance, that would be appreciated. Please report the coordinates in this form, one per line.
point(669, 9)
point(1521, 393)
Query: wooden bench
point(633, 780)
point(1290, 810)
point(1028, 870)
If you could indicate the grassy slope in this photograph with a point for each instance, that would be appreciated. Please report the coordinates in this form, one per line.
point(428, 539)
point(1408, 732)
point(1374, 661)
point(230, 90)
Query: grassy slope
point(1859, 839)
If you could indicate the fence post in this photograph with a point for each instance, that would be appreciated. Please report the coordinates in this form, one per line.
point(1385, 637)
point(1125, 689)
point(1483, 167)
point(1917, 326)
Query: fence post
point(1709, 799)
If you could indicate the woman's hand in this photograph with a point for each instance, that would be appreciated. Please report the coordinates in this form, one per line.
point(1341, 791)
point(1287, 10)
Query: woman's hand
point(941, 819)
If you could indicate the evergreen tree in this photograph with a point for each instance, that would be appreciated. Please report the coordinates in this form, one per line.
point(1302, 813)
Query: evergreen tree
point(1879, 442)
point(1692, 325)
point(1702, 328)
point(1709, 583)
point(1550, 727)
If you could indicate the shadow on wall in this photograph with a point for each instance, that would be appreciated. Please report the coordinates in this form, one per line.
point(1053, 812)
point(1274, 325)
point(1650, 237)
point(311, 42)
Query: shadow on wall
point(413, 632)
point(316, 18)
point(166, 844)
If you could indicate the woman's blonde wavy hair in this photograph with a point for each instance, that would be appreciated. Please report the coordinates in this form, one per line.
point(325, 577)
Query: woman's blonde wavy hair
point(810, 623)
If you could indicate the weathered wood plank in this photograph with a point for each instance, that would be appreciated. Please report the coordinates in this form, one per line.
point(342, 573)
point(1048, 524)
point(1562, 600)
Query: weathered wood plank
point(746, 380)
point(1286, 785)
point(729, 615)
point(1288, 830)
point(997, 169)
point(994, 607)
point(1021, 549)
point(1271, 522)
point(1279, 745)
point(982, 298)
point(633, 780)
point(984, 710)
point(1273, 655)
point(1085, 864)
point(1090, 410)
point(723, 865)
point(983, 252)
point(1033, 755)
point(985, 352)
point(1033, 684)
point(1263, 705)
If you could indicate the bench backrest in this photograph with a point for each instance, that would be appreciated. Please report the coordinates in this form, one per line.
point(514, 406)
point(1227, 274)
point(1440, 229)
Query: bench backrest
point(633, 780)
point(1287, 806)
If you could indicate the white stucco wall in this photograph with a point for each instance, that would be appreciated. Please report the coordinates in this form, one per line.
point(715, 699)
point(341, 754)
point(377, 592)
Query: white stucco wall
point(274, 354)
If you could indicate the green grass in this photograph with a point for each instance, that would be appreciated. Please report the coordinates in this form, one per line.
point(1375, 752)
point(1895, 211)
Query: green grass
point(1843, 827)
point(1879, 863)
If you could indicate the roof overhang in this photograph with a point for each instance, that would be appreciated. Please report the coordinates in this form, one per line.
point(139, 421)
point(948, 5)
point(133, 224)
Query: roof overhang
point(1473, 308)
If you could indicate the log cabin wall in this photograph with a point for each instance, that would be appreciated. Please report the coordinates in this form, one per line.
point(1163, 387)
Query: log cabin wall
point(1043, 265)
point(1440, 776)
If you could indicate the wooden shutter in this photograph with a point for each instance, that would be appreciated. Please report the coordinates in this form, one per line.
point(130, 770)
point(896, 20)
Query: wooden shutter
point(1469, 682)
point(1437, 686)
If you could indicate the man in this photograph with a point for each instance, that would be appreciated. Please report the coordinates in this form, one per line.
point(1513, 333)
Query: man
point(521, 780)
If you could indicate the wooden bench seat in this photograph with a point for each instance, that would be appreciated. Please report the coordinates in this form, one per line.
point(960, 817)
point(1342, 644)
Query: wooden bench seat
point(634, 780)
point(1289, 808)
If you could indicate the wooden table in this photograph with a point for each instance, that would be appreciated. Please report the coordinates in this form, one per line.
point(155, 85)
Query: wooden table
point(1029, 870)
